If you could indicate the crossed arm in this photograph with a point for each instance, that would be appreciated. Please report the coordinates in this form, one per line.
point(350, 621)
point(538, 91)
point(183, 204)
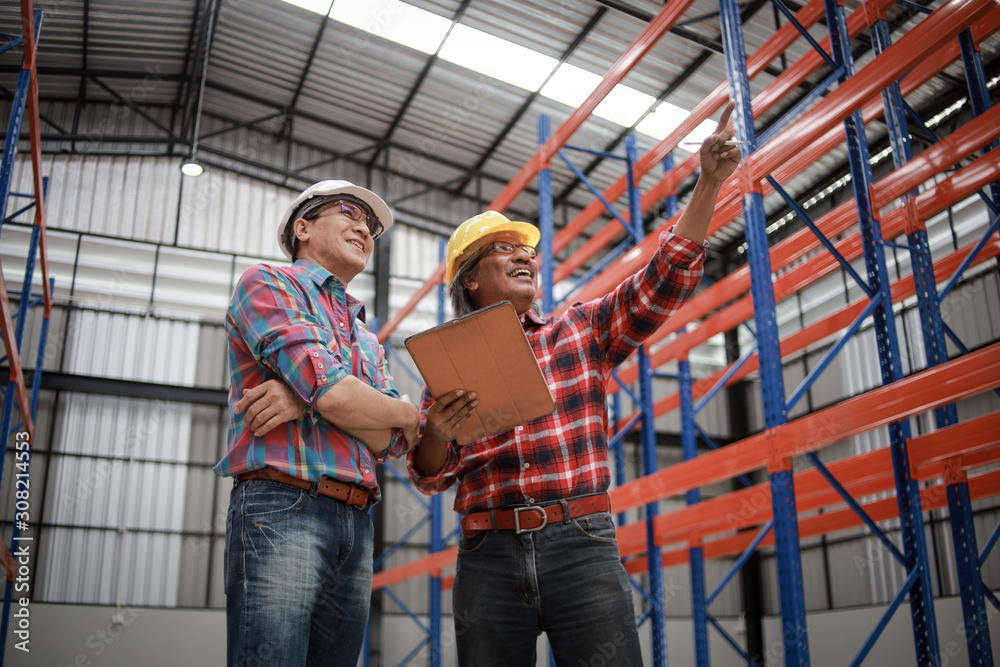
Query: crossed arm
point(352, 406)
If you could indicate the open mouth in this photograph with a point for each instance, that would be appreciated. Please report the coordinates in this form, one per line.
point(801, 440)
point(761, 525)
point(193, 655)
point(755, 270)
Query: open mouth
point(520, 272)
point(358, 244)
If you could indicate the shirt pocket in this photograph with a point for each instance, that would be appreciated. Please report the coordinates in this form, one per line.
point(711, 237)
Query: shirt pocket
point(369, 372)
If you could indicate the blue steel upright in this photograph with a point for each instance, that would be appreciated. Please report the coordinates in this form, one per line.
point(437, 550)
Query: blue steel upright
point(22, 466)
point(907, 489)
point(654, 560)
point(786, 533)
point(959, 505)
point(689, 448)
point(545, 219)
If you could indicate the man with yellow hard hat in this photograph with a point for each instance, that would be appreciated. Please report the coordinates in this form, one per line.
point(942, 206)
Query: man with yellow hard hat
point(538, 550)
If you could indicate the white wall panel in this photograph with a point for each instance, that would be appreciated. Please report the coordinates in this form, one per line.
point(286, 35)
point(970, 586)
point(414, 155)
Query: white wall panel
point(123, 196)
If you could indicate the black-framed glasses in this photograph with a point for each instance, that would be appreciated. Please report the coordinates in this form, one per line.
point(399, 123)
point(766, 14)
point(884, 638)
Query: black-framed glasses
point(355, 213)
point(507, 248)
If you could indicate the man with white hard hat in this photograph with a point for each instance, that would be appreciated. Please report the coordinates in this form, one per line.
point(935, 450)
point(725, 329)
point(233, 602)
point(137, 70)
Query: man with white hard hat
point(313, 410)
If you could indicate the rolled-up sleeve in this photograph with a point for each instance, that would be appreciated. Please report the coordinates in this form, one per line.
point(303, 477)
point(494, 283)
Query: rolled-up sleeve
point(273, 318)
point(443, 478)
point(377, 374)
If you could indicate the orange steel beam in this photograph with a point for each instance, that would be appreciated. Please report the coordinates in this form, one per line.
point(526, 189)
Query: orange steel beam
point(729, 199)
point(959, 378)
point(944, 24)
point(775, 45)
point(935, 497)
point(661, 23)
point(432, 564)
point(817, 331)
point(14, 358)
point(957, 186)
point(656, 28)
point(862, 475)
point(965, 376)
point(776, 91)
point(35, 135)
point(730, 206)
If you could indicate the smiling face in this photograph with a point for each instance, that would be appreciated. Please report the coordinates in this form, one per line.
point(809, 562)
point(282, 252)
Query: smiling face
point(504, 277)
point(339, 244)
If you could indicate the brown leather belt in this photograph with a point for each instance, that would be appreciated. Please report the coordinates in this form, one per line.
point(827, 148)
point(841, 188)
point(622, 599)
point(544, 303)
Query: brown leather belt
point(351, 494)
point(530, 518)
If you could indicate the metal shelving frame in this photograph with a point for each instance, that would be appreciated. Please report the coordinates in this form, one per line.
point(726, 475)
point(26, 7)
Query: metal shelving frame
point(923, 472)
point(12, 325)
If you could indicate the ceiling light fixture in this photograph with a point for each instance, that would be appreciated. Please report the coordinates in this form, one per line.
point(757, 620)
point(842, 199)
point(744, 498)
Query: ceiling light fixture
point(191, 166)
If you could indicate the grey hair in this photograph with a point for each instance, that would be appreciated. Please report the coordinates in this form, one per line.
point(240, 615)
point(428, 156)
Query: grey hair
point(461, 299)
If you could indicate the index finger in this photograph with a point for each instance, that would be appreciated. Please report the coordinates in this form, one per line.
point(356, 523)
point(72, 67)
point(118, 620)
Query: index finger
point(726, 113)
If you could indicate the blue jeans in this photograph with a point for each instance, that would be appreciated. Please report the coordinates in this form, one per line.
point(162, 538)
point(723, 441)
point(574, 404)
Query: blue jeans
point(566, 580)
point(298, 577)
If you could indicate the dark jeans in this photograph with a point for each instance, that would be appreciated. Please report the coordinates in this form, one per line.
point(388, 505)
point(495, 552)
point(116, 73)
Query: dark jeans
point(566, 580)
point(298, 577)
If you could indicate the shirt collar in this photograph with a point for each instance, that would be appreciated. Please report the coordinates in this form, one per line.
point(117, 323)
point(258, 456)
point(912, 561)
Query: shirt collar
point(331, 283)
point(532, 318)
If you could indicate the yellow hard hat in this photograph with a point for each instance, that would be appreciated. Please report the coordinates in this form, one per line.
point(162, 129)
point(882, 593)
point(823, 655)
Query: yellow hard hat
point(473, 234)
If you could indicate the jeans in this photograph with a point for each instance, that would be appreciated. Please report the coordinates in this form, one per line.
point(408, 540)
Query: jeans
point(566, 580)
point(298, 577)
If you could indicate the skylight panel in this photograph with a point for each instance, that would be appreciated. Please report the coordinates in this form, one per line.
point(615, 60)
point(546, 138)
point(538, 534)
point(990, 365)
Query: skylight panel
point(663, 121)
point(317, 6)
point(393, 20)
point(624, 105)
point(501, 59)
point(496, 57)
point(570, 85)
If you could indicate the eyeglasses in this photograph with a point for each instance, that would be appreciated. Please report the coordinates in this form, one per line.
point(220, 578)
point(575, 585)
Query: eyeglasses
point(506, 248)
point(357, 214)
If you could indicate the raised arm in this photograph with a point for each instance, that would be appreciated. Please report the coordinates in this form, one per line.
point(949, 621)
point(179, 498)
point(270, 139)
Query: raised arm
point(718, 162)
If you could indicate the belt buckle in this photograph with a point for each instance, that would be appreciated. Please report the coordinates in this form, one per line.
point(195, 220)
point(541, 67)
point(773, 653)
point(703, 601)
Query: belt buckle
point(517, 519)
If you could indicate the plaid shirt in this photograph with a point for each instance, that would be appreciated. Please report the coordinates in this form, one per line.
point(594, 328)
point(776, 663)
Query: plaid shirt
point(565, 454)
point(299, 325)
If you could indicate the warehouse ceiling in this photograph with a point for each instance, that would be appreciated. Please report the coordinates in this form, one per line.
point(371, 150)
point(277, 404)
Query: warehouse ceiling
point(398, 87)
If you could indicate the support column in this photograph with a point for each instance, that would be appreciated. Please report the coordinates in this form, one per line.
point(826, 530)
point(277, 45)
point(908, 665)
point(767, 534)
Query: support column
point(907, 489)
point(786, 534)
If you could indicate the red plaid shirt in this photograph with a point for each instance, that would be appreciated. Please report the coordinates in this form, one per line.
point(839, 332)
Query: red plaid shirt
point(565, 453)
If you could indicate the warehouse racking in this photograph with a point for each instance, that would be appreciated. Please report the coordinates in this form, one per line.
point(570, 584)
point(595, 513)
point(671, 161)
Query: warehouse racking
point(947, 467)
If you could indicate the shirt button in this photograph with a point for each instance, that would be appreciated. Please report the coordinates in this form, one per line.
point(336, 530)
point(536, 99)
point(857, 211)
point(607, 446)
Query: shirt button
point(366, 470)
point(341, 325)
point(531, 500)
point(527, 465)
point(315, 354)
point(520, 428)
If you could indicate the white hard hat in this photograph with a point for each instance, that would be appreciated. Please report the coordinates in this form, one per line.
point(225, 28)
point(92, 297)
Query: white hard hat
point(326, 190)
